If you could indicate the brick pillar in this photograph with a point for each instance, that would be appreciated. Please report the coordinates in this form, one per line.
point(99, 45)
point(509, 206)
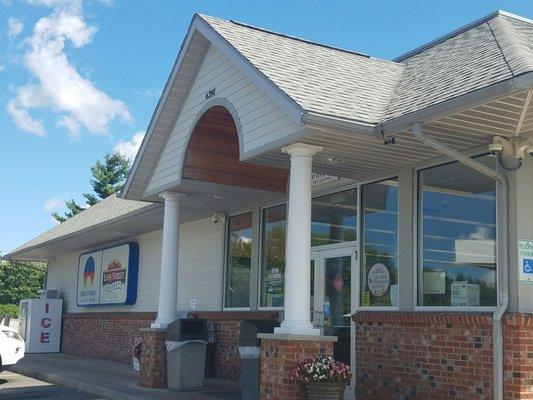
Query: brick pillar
point(518, 356)
point(279, 356)
point(153, 358)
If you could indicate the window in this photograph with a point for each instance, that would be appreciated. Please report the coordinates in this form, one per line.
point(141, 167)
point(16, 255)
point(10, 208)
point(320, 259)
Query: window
point(379, 272)
point(334, 218)
point(456, 236)
point(273, 256)
point(239, 261)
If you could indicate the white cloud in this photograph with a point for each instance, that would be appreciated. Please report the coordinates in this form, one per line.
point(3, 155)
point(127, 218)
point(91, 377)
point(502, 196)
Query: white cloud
point(54, 204)
point(60, 87)
point(130, 148)
point(14, 27)
point(72, 126)
point(149, 93)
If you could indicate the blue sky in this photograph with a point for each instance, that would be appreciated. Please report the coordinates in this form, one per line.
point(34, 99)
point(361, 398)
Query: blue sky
point(79, 78)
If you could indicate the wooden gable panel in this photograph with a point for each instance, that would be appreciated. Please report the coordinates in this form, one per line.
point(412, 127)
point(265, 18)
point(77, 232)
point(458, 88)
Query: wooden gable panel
point(213, 156)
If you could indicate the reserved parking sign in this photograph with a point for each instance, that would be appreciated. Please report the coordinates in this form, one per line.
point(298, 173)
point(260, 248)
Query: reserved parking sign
point(525, 260)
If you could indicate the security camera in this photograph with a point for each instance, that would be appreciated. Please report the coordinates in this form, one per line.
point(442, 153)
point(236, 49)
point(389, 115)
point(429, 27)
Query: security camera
point(496, 149)
point(529, 150)
point(218, 218)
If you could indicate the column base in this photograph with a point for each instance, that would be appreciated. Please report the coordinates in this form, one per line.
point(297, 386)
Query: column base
point(153, 360)
point(160, 324)
point(279, 356)
point(297, 328)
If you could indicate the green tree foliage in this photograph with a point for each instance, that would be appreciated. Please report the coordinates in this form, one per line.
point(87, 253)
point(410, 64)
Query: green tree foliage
point(108, 174)
point(20, 280)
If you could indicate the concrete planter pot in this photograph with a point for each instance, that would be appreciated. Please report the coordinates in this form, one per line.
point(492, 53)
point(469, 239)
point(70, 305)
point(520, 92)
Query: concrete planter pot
point(324, 390)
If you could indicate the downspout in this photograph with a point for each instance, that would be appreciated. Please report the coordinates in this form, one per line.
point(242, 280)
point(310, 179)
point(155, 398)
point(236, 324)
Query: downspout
point(503, 286)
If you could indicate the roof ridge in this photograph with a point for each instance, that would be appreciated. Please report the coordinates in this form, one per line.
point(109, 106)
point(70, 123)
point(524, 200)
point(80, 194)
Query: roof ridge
point(510, 44)
point(458, 31)
point(299, 39)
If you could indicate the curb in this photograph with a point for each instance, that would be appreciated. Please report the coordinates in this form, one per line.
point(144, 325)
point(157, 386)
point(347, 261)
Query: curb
point(58, 379)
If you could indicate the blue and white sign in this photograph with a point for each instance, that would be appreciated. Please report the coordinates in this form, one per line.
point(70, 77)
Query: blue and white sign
point(525, 260)
point(108, 276)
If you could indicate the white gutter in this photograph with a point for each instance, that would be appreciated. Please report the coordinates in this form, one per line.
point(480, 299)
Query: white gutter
point(503, 285)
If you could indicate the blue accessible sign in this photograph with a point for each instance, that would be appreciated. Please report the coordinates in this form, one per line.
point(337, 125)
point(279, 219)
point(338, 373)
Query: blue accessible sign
point(525, 260)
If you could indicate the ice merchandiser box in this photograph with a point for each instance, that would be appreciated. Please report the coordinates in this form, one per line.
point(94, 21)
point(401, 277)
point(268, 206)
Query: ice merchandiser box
point(40, 324)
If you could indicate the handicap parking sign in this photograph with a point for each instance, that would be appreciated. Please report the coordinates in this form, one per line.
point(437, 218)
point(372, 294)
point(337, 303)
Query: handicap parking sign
point(527, 266)
point(525, 259)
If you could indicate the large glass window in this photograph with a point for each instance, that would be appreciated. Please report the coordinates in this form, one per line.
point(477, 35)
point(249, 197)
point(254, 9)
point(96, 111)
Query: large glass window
point(456, 236)
point(239, 261)
point(334, 218)
point(273, 256)
point(379, 271)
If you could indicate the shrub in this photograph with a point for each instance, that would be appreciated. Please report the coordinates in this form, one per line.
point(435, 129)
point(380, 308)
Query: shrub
point(10, 309)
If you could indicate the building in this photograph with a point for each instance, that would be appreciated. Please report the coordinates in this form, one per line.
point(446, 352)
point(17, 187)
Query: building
point(410, 242)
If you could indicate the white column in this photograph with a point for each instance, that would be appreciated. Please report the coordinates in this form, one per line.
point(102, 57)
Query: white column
point(168, 285)
point(298, 243)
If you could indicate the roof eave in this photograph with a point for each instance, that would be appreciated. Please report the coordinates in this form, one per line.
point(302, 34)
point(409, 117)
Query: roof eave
point(106, 224)
point(162, 100)
point(508, 86)
point(323, 121)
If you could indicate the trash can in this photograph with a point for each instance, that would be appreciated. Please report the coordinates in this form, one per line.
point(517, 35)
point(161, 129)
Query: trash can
point(250, 351)
point(211, 349)
point(186, 340)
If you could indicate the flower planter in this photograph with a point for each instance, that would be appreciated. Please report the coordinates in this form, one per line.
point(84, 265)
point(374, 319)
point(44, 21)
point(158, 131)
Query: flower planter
point(325, 390)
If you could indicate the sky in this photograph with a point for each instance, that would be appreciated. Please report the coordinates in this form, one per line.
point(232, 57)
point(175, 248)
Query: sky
point(82, 78)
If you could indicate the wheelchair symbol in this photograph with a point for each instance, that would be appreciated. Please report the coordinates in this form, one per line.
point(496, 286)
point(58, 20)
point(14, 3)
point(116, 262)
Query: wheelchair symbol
point(528, 266)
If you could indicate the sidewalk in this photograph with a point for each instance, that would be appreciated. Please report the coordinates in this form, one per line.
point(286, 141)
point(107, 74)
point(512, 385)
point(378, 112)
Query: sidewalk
point(114, 381)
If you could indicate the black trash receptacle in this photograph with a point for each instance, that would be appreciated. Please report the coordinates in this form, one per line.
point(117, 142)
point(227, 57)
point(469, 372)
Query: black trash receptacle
point(186, 340)
point(210, 351)
point(249, 351)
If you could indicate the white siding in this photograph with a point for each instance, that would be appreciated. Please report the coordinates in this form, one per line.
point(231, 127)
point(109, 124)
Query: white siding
point(261, 120)
point(200, 271)
point(200, 265)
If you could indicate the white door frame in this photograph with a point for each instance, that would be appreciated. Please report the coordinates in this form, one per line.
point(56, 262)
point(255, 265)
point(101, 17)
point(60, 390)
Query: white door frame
point(319, 254)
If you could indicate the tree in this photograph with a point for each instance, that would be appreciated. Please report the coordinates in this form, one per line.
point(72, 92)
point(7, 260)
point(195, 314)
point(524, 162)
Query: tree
point(20, 280)
point(108, 178)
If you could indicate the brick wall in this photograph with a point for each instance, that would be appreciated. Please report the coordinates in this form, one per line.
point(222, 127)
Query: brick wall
point(423, 356)
point(278, 359)
point(227, 360)
point(110, 336)
point(518, 356)
point(440, 356)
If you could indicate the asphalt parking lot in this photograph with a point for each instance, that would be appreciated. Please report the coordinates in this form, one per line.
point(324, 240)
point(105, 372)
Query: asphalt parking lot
point(16, 386)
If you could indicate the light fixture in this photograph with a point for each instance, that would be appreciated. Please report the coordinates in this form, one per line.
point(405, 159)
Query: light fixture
point(331, 160)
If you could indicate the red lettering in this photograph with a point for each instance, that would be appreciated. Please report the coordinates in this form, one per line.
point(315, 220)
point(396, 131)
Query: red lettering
point(46, 322)
point(45, 337)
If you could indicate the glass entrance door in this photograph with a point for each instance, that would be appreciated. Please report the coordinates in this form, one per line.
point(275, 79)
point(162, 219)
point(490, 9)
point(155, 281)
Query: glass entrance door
point(334, 297)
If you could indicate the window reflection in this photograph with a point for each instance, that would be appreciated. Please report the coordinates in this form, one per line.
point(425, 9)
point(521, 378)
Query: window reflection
point(273, 256)
point(457, 236)
point(379, 273)
point(239, 256)
point(334, 218)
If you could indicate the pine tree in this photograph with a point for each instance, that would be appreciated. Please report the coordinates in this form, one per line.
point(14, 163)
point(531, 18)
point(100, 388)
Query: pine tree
point(108, 178)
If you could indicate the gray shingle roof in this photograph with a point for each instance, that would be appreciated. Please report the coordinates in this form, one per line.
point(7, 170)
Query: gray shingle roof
point(348, 85)
point(487, 53)
point(107, 210)
point(319, 78)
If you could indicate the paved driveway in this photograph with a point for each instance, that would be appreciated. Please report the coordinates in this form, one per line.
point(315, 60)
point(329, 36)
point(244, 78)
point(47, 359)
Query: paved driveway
point(16, 386)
